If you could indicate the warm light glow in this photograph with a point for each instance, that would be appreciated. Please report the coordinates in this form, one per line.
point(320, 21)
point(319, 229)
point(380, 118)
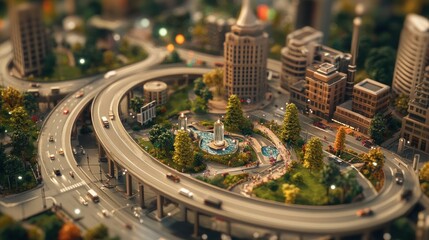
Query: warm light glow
point(333, 187)
point(145, 22)
point(170, 47)
point(82, 61)
point(180, 39)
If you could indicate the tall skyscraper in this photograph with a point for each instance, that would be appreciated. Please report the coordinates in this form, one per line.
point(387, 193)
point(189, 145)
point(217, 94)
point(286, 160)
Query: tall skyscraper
point(314, 13)
point(413, 55)
point(245, 52)
point(29, 40)
point(415, 126)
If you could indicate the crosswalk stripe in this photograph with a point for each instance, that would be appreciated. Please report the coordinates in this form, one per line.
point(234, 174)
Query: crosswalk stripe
point(68, 188)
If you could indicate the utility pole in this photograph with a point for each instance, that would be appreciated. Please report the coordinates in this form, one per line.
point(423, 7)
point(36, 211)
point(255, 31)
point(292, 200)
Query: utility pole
point(87, 160)
point(43, 198)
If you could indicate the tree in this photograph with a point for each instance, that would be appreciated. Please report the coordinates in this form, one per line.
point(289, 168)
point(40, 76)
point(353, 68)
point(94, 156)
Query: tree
point(374, 162)
point(183, 151)
point(214, 78)
point(340, 140)
point(49, 64)
point(30, 103)
point(199, 106)
point(350, 186)
point(199, 86)
point(330, 174)
point(136, 103)
point(401, 103)
point(380, 63)
point(50, 225)
point(290, 192)
point(206, 94)
point(108, 58)
point(161, 137)
point(69, 231)
point(234, 114)
point(313, 154)
point(98, 232)
point(424, 173)
point(377, 128)
point(291, 128)
point(12, 98)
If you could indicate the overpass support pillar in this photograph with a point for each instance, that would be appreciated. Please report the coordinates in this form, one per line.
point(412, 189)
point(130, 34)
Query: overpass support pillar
point(74, 131)
point(196, 223)
point(101, 153)
point(111, 166)
point(129, 184)
point(228, 228)
point(159, 206)
point(366, 236)
point(141, 195)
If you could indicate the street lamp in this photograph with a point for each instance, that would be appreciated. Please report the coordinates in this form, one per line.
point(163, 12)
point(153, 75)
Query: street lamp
point(333, 187)
point(82, 61)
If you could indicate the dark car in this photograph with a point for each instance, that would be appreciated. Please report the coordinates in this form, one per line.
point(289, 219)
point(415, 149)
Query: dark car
point(57, 172)
point(399, 177)
point(173, 177)
point(406, 194)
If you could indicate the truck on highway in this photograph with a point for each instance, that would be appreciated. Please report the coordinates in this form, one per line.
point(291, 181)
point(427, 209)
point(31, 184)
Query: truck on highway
point(92, 195)
point(55, 90)
point(212, 202)
point(105, 121)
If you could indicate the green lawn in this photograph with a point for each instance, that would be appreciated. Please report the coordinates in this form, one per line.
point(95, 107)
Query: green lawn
point(178, 102)
point(311, 191)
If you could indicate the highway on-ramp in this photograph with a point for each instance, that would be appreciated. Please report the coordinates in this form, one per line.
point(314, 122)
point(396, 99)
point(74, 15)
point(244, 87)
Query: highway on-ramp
point(339, 219)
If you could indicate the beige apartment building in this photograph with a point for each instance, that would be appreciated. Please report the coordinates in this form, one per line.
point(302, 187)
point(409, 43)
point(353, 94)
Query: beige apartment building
point(155, 91)
point(297, 55)
point(413, 55)
point(325, 89)
point(29, 40)
point(369, 98)
point(245, 53)
point(415, 126)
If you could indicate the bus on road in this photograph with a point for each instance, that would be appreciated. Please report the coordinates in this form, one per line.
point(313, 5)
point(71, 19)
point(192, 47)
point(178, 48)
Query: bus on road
point(93, 196)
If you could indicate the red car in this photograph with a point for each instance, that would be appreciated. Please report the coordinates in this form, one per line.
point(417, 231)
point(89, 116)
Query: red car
point(66, 111)
point(364, 212)
point(319, 125)
point(173, 177)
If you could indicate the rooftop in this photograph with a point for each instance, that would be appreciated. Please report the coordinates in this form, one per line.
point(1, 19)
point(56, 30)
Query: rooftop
point(370, 85)
point(418, 22)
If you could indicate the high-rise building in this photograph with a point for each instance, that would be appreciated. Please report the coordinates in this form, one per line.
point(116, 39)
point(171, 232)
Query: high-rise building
point(415, 126)
point(413, 55)
point(29, 39)
point(369, 98)
point(325, 89)
point(298, 54)
point(303, 48)
point(314, 13)
point(217, 27)
point(245, 53)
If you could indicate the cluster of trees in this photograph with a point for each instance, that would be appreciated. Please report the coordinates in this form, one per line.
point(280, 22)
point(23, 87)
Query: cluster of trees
point(234, 118)
point(49, 227)
point(346, 182)
point(17, 124)
point(136, 103)
point(378, 128)
point(203, 96)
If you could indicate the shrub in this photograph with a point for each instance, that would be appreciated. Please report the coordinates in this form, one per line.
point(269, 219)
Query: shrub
point(273, 186)
point(297, 179)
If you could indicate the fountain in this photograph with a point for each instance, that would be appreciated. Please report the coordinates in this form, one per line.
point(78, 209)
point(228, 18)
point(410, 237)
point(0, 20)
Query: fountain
point(218, 142)
point(183, 122)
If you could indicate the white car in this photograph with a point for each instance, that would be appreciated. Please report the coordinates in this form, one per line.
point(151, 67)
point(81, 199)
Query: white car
point(109, 74)
point(105, 213)
point(185, 192)
point(83, 201)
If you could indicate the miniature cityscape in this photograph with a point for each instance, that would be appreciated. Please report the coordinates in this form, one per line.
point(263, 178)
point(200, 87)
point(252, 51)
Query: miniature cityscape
point(211, 119)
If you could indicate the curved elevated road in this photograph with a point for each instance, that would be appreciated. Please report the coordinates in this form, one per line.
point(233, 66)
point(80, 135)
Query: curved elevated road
point(340, 219)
